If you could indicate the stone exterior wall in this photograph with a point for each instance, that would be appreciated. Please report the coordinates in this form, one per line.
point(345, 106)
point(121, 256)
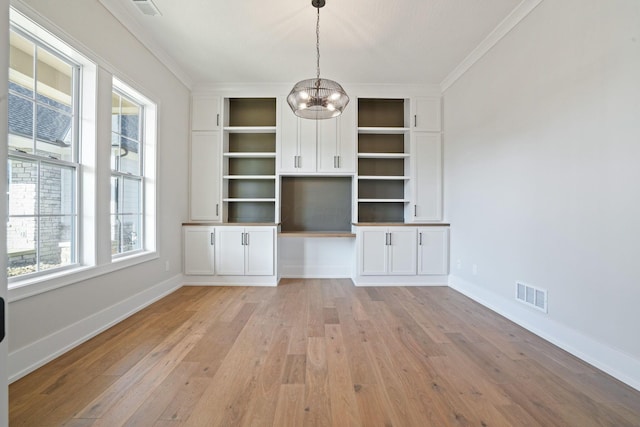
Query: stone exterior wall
point(55, 231)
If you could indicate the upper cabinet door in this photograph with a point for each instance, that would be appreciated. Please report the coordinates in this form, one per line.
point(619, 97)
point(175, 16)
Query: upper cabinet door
point(205, 113)
point(427, 114)
point(204, 179)
point(336, 143)
point(297, 143)
point(307, 137)
point(287, 150)
point(427, 177)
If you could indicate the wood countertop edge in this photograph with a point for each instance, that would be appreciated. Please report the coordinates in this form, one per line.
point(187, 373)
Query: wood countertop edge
point(401, 224)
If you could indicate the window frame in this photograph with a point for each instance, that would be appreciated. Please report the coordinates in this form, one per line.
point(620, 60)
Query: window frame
point(40, 159)
point(97, 78)
point(126, 93)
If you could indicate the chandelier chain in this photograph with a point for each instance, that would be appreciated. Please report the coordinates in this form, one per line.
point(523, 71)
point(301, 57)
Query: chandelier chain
point(318, 45)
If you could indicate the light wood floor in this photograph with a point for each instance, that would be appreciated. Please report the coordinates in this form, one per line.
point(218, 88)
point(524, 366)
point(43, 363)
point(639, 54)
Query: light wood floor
point(316, 353)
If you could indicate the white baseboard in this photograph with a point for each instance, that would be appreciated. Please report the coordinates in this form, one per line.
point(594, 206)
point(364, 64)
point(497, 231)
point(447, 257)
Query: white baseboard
point(29, 358)
point(400, 280)
point(316, 271)
point(610, 360)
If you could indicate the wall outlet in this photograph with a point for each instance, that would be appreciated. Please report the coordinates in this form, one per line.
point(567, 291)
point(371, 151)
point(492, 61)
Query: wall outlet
point(166, 266)
point(474, 269)
point(459, 264)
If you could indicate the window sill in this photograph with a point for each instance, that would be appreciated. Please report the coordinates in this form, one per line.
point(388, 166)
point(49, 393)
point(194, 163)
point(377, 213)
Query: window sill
point(28, 288)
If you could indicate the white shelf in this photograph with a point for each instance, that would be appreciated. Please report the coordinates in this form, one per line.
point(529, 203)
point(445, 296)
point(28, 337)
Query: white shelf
point(254, 199)
point(265, 177)
point(383, 201)
point(383, 178)
point(250, 129)
point(383, 130)
point(383, 155)
point(251, 155)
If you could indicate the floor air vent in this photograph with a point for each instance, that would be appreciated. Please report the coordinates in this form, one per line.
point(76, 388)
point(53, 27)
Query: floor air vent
point(535, 297)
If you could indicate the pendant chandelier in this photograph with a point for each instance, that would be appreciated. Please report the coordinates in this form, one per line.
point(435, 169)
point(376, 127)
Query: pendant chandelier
point(317, 98)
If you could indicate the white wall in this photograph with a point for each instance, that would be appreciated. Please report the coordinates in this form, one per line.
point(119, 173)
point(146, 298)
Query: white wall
point(43, 325)
point(542, 176)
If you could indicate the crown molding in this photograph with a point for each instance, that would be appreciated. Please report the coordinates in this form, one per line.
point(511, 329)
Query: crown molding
point(359, 89)
point(502, 29)
point(135, 27)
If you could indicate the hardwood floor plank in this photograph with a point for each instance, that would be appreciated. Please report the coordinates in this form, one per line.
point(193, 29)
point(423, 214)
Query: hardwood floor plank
point(295, 369)
point(344, 407)
point(264, 396)
point(319, 353)
point(290, 407)
point(317, 402)
point(157, 402)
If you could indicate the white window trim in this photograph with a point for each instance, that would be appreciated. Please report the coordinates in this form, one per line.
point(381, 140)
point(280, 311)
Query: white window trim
point(149, 165)
point(91, 263)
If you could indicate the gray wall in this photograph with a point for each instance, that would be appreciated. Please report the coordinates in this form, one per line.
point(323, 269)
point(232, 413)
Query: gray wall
point(542, 177)
point(34, 320)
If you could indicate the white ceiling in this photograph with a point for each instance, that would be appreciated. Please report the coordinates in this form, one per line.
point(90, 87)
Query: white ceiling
point(361, 41)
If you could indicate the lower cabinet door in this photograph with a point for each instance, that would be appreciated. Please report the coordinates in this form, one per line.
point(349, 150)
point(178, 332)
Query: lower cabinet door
point(402, 251)
point(199, 249)
point(373, 251)
point(230, 251)
point(433, 251)
point(259, 251)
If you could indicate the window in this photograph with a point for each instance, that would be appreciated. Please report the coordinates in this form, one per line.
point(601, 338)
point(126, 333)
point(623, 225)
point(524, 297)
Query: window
point(43, 166)
point(127, 179)
point(56, 231)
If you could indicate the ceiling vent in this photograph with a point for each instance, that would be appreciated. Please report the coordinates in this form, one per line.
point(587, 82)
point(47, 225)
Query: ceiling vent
point(147, 7)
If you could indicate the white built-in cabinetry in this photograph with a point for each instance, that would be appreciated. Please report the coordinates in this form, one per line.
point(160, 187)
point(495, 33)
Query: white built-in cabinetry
point(316, 146)
point(406, 254)
point(245, 251)
point(433, 251)
point(205, 113)
point(387, 251)
point(199, 250)
point(245, 150)
point(205, 164)
point(426, 114)
point(426, 159)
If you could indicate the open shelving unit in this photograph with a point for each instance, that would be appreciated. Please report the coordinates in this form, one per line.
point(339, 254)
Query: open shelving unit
point(249, 160)
point(383, 160)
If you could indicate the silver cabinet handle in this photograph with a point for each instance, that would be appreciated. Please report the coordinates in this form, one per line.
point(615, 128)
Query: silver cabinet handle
point(415, 120)
point(212, 241)
point(389, 239)
point(218, 119)
point(420, 241)
point(217, 209)
point(246, 239)
point(415, 210)
point(242, 239)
